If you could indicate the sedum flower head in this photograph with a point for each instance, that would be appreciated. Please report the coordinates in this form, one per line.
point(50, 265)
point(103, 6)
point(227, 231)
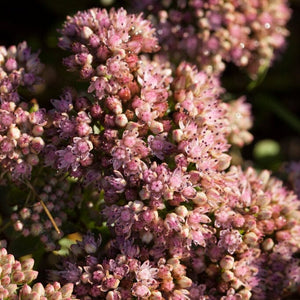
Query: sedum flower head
point(114, 274)
point(16, 277)
point(21, 141)
point(213, 33)
point(18, 68)
point(96, 36)
point(21, 124)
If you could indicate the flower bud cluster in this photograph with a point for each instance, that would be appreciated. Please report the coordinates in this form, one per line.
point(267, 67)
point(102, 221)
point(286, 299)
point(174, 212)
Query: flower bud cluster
point(59, 196)
point(49, 292)
point(15, 277)
point(18, 67)
point(21, 141)
point(212, 33)
point(14, 273)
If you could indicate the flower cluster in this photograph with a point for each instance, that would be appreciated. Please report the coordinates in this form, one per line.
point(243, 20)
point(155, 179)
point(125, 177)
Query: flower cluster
point(240, 120)
point(21, 141)
point(59, 196)
point(115, 274)
point(150, 140)
point(15, 277)
point(18, 68)
point(240, 241)
point(155, 142)
point(14, 273)
point(21, 124)
point(212, 33)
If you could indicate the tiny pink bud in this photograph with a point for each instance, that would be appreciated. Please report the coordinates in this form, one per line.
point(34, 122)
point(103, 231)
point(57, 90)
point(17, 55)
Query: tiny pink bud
point(12, 288)
point(184, 282)
point(200, 198)
point(36, 145)
point(245, 293)
point(32, 159)
point(6, 269)
point(27, 264)
point(26, 290)
point(147, 237)
point(223, 162)
point(5, 280)
point(236, 283)
point(227, 262)
point(156, 127)
point(18, 277)
point(13, 132)
point(86, 32)
point(121, 120)
point(39, 288)
point(67, 290)
point(113, 295)
point(283, 235)
point(85, 278)
point(49, 289)
point(55, 296)
point(37, 130)
point(250, 238)
point(181, 211)
point(30, 275)
point(227, 276)
point(156, 295)
point(177, 135)
point(268, 244)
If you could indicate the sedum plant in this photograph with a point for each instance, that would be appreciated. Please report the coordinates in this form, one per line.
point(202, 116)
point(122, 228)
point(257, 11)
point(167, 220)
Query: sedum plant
point(140, 156)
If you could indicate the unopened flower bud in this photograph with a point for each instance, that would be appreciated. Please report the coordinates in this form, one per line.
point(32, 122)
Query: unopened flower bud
point(147, 237)
point(26, 290)
point(227, 262)
point(36, 145)
point(121, 120)
point(18, 226)
point(181, 211)
point(39, 289)
point(30, 275)
point(156, 295)
point(56, 296)
point(18, 277)
point(67, 290)
point(13, 132)
point(245, 293)
point(32, 159)
point(156, 127)
point(12, 288)
point(227, 276)
point(37, 130)
point(27, 264)
point(200, 198)
point(250, 238)
point(184, 282)
point(86, 32)
point(113, 295)
point(5, 280)
point(223, 162)
point(177, 135)
point(268, 244)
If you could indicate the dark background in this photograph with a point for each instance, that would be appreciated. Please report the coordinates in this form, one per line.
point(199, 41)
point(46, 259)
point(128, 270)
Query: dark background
point(275, 102)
